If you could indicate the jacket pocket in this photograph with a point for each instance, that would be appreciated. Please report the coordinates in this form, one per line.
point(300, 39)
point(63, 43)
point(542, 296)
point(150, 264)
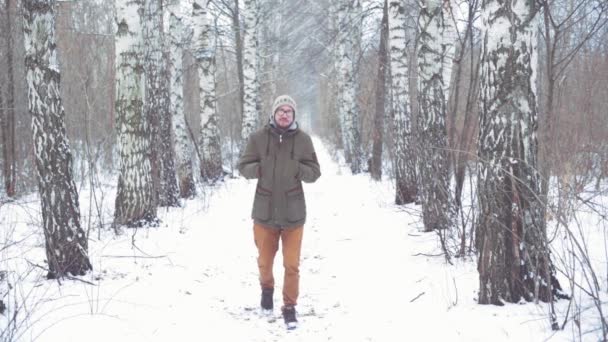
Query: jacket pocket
point(296, 205)
point(261, 204)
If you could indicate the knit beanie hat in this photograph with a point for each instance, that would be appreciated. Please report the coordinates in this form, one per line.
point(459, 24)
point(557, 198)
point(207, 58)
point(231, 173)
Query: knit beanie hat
point(283, 100)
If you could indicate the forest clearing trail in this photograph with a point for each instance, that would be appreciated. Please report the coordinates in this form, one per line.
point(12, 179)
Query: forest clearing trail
point(367, 273)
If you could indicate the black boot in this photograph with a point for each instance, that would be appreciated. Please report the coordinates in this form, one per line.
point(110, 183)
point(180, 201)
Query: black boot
point(267, 303)
point(289, 315)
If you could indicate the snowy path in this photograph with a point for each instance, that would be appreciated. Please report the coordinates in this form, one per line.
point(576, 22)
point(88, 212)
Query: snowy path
point(195, 278)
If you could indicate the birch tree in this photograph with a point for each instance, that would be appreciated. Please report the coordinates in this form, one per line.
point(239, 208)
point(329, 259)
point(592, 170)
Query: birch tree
point(354, 114)
point(433, 160)
point(238, 43)
point(514, 261)
point(347, 86)
point(7, 131)
point(334, 27)
point(204, 52)
point(65, 241)
point(379, 115)
point(135, 204)
point(181, 141)
point(250, 77)
point(404, 159)
point(271, 30)
point(345, 96)
point(156, 105)
point(448, 43)
point(7, 105)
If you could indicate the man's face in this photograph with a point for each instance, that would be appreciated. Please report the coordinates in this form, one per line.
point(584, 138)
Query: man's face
point(283, 116)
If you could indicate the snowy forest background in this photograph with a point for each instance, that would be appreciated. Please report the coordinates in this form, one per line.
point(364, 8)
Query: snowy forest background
point(487, 117)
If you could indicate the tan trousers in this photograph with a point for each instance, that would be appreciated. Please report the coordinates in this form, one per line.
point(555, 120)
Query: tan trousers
point(267, 242)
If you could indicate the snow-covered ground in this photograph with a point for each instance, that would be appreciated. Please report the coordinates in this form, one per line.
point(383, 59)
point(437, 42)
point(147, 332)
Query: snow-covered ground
point(367, 274)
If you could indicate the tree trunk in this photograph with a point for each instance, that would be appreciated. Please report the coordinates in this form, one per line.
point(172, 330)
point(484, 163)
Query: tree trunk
point(181, 141)
point(135, 205)
point(467, 129)
point(376, 162)
point(448, 45)
point(405, 158)
point(334, 79)
point(156, 105)
point(204, 52)
point(347, 85)
point(269, 53)
point(238, 43)
point(7, 125)
point(354, 116)
point(514, 260)
point(459, 148)
point(65, 241)
point(250, 72)
point(7, 118)
point(547, 133)
point(437, 211)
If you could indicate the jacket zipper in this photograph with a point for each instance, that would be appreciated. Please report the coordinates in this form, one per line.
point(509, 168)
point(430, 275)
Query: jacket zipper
point(274, 179)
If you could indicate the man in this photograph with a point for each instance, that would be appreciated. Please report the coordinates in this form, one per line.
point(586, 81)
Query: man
point(280, 156)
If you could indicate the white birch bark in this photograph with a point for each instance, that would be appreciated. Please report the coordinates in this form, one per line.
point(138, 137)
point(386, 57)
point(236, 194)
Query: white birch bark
point(259, 61)
point(65, 241)
point(343, 66)
point(381, 98)
point(156, 105)
point(347, 85)
point(275, 61)
point(335, 85)
point(8, 117)
point(250, 72)
point(404, 159)
point(134, 195)
point(353, 116)
point(448, 44)
point(181, 141)
point(433, 160)
point(270, 26)
point(204, 53)
point(513, 258)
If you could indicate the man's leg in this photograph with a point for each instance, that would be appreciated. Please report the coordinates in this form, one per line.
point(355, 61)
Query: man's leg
point(267, 242)
point(292, 244)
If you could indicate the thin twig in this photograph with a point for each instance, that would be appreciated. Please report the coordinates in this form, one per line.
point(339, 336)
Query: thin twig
point(428, 255)
point(135, 256)
point(418, 296)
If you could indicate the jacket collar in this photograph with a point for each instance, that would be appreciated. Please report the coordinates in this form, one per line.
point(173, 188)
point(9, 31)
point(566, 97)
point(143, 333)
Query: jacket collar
point(291, 130)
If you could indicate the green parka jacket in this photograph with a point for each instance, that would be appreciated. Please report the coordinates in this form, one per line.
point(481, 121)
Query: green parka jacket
point(281, 161)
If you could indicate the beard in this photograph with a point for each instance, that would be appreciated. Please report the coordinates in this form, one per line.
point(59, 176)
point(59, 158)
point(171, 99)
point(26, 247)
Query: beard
point(283, 123)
